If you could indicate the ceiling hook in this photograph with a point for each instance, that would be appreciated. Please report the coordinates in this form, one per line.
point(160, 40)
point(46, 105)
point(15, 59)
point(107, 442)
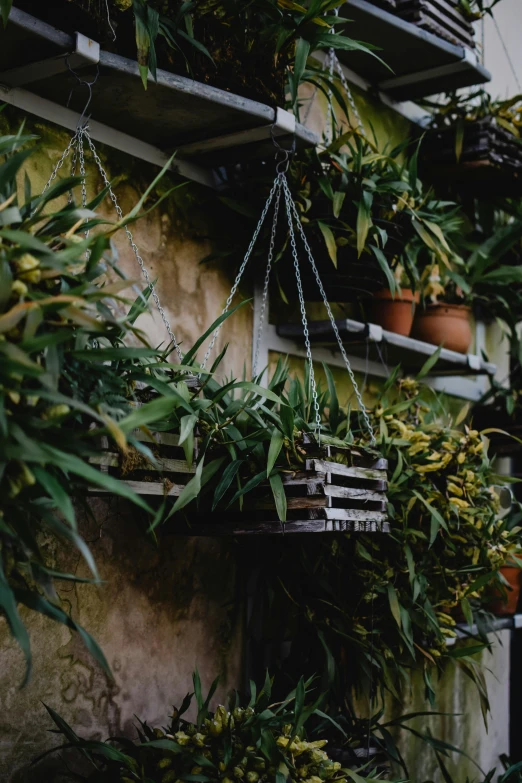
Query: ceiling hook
point(283, 155)
point(82, 83)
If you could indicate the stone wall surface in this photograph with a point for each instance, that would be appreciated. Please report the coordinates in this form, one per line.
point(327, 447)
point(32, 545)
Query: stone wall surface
point(161, 611)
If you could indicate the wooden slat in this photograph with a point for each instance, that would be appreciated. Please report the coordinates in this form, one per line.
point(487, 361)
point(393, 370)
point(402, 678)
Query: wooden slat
point(151, 488)
point(277, 528)
point(160, 438)
point(345, 470)
point(165, 464)
point(354, 493)
point(292, 503)
point(353, 514)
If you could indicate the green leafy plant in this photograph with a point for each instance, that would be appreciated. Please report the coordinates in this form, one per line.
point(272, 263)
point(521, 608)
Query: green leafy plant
point(381, 606)
point(476, 9)
point(372, 202)
point(259, 49)
point(287, 31)
point(260, 742)
point(485, 273)
point(460, 113)
point(66, 377)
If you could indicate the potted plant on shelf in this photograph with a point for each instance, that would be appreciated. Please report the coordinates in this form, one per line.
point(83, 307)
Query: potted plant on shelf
point(483, 275)
point(395, 310)
point(370, 222)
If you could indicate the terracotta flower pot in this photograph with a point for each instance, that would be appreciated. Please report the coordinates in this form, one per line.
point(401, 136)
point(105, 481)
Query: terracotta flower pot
point(395, 314)
point(444, 324)
point(505, 606)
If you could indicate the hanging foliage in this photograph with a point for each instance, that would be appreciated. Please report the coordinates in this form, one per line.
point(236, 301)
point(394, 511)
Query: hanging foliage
point(67, 378)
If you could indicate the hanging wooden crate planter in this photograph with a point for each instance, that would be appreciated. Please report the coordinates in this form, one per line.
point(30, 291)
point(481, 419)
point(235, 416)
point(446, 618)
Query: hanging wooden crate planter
point(166, 477)
point(491, 156)
point(336, 490)
point(440, 17)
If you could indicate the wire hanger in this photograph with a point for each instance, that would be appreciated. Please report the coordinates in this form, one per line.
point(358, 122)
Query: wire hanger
point(281, 190)
point(77, 144)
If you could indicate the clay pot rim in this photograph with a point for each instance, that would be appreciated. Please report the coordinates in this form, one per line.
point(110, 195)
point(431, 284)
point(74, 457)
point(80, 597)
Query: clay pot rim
point(406, 295)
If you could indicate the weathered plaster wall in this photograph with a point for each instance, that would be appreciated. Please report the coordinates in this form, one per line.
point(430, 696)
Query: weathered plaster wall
point(461, 725)
point(159, 611)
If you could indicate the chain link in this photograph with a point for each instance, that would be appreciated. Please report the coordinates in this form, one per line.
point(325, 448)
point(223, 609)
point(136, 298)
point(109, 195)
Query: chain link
point(275, 186)
point(133, 245)
point(362, 407)
point(65, 155)
point(289, 203)
point(264, 297)
point(81, 156)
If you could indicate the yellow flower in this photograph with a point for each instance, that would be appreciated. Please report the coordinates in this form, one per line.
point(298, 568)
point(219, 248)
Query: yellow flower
point(454, 489)
point(459, 503)
point(429, 468)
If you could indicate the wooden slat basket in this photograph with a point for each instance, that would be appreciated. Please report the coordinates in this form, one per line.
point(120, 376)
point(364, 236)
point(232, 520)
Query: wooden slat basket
point(165, 479)
point(440, 17)
point(490, 158)
point(338, 489)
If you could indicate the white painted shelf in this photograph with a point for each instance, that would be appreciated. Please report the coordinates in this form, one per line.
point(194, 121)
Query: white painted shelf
point(363, 339)
point(421, 63)
point(208, 127)
point(463, 630)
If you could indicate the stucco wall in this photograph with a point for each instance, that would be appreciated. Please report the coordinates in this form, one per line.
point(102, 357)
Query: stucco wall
point(160, 610)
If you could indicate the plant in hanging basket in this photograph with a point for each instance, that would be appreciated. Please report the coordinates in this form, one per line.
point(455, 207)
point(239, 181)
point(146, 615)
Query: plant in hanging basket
point(382, 605)
point(67, 375)
point(255, 465)
point(474, 145)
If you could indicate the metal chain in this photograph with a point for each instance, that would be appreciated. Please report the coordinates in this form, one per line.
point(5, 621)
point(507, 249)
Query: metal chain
point(133, 245)
point(264, 297)
point(275, 186)
point(81, 156)
point(347, 90)
point(74, 163)
point(335, 64)
point(328, 131)
point(65, 155)
point(291, 204)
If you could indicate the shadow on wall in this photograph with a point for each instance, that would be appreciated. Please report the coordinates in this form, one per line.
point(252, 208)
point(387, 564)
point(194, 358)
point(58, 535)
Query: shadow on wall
point(161, 611)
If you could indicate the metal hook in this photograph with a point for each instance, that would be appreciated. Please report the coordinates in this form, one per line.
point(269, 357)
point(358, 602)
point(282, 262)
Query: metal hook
point(283, 155)
point(82, 83)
